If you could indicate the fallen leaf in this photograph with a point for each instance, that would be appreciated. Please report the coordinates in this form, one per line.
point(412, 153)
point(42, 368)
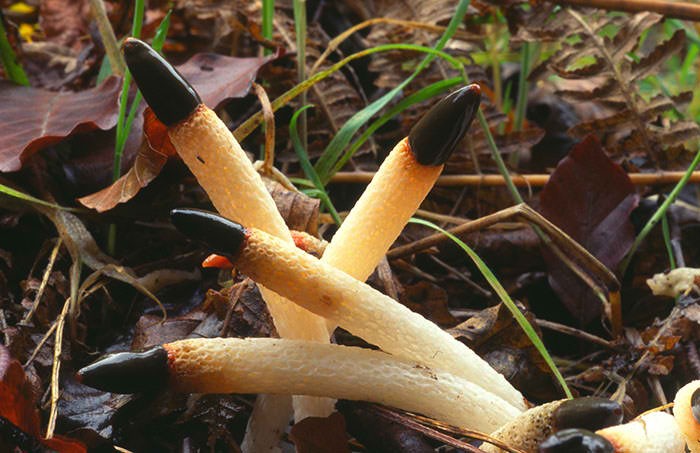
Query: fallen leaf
point(320, 435)
point(153, 154)
point(31, 118)
point(65, 22)
point(299, 211)
point(216, 78)
point(590, 198)
point(18, 405)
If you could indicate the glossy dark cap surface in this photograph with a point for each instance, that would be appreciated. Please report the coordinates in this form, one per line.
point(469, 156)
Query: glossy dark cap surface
point(128, 372)
point(591, 413)
point(168, 94)
point(576, 441)
point(435, 136)
point(224, 237)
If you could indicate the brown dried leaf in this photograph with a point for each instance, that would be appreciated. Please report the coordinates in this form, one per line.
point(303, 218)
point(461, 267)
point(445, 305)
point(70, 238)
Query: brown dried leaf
point(299, 211)
point(65, 22)
point(31, 118)
point(321, 435)
point(655, 58)
point(590, 198)
point(153, 153)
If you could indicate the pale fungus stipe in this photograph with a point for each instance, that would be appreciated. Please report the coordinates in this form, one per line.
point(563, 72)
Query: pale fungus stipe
point(281, 366)
point(677, 282)
point(686, 410)
point(235, 189)
point(410, 171)
point(533, 426)
point(352, 304)
point(655, 432)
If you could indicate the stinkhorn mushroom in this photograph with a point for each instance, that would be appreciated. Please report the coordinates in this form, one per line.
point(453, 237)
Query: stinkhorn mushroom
point(335, 295)
point(655, 432)
point(280, 366)
point(224, 171)
point(686, 410)
point(533, 426)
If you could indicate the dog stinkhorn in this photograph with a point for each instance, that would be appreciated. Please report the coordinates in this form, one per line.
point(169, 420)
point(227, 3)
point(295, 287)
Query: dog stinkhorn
point(280, 366)
point(353, 305)
point(224, 171)
point(686, 410)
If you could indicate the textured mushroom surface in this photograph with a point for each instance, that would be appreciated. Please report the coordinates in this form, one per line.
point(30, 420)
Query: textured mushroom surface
point(365, 312)
point(268, 365)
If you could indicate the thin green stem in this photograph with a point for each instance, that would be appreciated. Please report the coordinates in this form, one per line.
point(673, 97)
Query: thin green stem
point(496, 156)
point(13, 69)
point(268, 16)
point(658, 215)
point(300, 32)
point(507, 301)
point(665, 231)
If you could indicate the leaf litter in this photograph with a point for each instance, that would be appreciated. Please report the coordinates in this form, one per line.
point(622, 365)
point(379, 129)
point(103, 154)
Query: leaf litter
point(603, 108)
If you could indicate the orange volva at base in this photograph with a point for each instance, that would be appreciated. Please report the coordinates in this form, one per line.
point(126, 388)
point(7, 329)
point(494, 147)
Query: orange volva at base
point(287, 366)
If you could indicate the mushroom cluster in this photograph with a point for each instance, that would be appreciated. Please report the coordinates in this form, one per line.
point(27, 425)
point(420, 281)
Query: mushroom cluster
point(419, 367)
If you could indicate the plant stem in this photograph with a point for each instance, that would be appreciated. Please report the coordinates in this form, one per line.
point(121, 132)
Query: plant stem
point(658, 215)
point(116, 61)
point(300, 31)
point(268, 16)
point(13, 69)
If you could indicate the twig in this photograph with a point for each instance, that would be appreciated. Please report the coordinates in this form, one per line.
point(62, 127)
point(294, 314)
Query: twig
point(532, 180)
point(678, 10)
point(568, 330)
point(269, 128)
point(44, 281)
point(60, 323)
point(108, 39)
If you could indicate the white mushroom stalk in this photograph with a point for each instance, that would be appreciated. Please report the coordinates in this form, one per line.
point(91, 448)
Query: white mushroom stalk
point(335, 295)
point(655, 432)
point(224, 171)
point(280, 366)
point(686, 410)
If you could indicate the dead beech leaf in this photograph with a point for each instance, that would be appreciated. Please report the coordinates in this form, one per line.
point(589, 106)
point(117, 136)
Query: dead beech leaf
point(216, 78)
point(18, 405)
point(320, 435)
point(590, 198)
point(299, 211)
point(31, 118)
point(65, 22)
point(153, 154)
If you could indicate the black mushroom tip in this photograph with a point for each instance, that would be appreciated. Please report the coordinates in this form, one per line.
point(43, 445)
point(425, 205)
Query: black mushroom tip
point(591, 413)
point(576, 441)
point(695, 405)
point(224, 237)
point(128, 372)
point(168, 94)
point(437, 133)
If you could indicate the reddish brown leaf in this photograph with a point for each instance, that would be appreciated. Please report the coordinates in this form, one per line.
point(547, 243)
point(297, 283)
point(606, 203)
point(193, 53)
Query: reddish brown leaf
point(31, 119)
point(18, 405)
point(153, 154)
point(320, 435)
point(65, 22)
point(216, 78)
point(590, 198)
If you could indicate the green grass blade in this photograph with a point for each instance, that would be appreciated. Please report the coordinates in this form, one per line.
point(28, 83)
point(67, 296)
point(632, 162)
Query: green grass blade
point(9, 191)
point(507, 301)
point(333, 151)
point(268, 16)
point(13, 69)
point(423, 94)
point(308, 168)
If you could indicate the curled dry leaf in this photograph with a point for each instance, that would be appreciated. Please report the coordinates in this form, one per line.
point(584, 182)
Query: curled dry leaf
point(31, 118)
point(153, 153)
point(216, 78)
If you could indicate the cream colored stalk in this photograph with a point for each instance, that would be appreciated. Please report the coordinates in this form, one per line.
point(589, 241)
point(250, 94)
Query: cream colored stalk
point(686, 410)
point(266, 365)
point(335, 295)
point(655, 432)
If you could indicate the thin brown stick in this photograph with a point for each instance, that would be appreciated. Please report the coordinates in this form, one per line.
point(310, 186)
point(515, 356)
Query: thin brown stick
point(533, 180)
point(678, 10)
point(269, 116)
point(572, 331)
point(109, 40)
point(58, 342)
point(44, 281)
